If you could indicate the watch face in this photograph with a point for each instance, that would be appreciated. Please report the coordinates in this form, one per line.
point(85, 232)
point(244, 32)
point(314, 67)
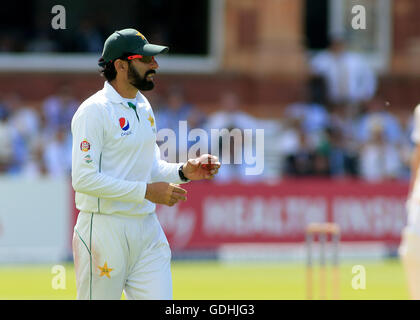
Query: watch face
point(181, 174)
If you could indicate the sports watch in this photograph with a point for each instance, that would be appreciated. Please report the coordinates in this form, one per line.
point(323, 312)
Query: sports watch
point(181, 174)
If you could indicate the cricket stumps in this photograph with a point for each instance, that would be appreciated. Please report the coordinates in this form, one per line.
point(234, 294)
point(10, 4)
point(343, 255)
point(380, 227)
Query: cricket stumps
point(322, 231)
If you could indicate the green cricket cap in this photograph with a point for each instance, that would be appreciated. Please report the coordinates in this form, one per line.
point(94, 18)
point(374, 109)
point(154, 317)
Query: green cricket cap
point(129, 41)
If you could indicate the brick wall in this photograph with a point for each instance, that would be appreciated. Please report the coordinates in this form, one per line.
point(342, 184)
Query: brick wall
point(264, 37)
point(406, 37)
point(261, 96)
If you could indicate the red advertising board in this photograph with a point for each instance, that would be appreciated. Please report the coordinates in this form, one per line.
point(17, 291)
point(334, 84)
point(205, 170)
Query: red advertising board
point(217, 214)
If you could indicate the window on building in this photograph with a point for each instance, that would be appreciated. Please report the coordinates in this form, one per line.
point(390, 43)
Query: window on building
point(190, 28)
point(325, 18)
point(316, 24)
point(185, 28)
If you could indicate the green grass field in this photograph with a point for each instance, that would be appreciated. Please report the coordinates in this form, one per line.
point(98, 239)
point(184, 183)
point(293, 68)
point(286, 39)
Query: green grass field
point(214, 280)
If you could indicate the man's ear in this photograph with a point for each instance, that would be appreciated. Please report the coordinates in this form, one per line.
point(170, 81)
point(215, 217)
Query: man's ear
point(121, 65)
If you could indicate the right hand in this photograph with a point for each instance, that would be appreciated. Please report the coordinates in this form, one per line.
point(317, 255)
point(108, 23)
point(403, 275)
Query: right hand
point(165, 193)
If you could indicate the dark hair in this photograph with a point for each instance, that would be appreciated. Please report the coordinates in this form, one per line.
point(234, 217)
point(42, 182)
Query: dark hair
point(108, 69)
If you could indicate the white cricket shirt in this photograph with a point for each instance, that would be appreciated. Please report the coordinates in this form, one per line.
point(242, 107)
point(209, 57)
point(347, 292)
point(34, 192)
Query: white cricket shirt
point(115, 155)
point(415, 137)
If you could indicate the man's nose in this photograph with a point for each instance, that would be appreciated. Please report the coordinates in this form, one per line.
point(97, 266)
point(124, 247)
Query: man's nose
point(154, 64)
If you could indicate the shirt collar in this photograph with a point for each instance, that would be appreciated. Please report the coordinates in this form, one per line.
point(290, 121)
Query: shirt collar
point(112, 95)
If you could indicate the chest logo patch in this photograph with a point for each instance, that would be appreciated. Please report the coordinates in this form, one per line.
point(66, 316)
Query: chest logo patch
point(152, 121)
point(124, 124)
point(105, 270)
point(85, 146)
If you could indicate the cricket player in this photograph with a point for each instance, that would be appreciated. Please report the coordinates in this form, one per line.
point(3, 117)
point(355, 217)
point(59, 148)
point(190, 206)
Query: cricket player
point(118, 176)
point(410, 243)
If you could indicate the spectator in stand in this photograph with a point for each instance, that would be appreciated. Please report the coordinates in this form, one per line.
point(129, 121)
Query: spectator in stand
point(379, 159)
point(235, 120)
point(43, 43)
point(25, 121)
point(345, 146)
point(89, 37)
point(177, 109)
point(57, 154)
point(341, 161)
point(174, 110)
point(4, 109)
point(376, 112)
point(230, 114)
point(34, 167)
point(407, 145)
point(299, 160)
point(19, 132)
point(59, 109)
point(349, 79)
point(40, 38)
point(288, 141)
point(6, 140)
point(311, 112)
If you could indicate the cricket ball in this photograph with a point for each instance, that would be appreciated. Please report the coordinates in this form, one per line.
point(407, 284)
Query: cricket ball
point(206, 162)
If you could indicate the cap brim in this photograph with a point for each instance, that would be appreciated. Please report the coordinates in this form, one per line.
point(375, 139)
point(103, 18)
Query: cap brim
point(153, 49)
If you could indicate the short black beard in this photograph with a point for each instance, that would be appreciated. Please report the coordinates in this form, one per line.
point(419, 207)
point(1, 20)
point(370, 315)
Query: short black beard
point(137, 81)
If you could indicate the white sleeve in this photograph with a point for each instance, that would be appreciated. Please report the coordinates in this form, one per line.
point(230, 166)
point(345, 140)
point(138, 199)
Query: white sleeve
point(415, 135)
point(163, 171)
point(88, 137)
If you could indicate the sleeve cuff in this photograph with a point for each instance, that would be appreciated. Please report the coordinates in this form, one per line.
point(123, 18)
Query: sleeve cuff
point(142, 191)
point(177, 176)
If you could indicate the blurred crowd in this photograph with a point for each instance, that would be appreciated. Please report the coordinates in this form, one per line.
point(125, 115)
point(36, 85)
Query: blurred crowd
point(88, 36)
point(36, 142)
point(341, 128)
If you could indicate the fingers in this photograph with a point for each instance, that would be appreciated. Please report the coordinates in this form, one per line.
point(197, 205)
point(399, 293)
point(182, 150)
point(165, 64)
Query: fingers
point(177, 189)
point(216, 167)
point(208, 158)
point(176, 193)
point(210, 174)
point(194, 162)
point(214, 159)
point(178, 197)
point(213, 170)
point(175, 199)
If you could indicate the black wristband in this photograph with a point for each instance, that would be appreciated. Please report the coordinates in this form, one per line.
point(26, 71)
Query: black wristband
point(181, 174)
